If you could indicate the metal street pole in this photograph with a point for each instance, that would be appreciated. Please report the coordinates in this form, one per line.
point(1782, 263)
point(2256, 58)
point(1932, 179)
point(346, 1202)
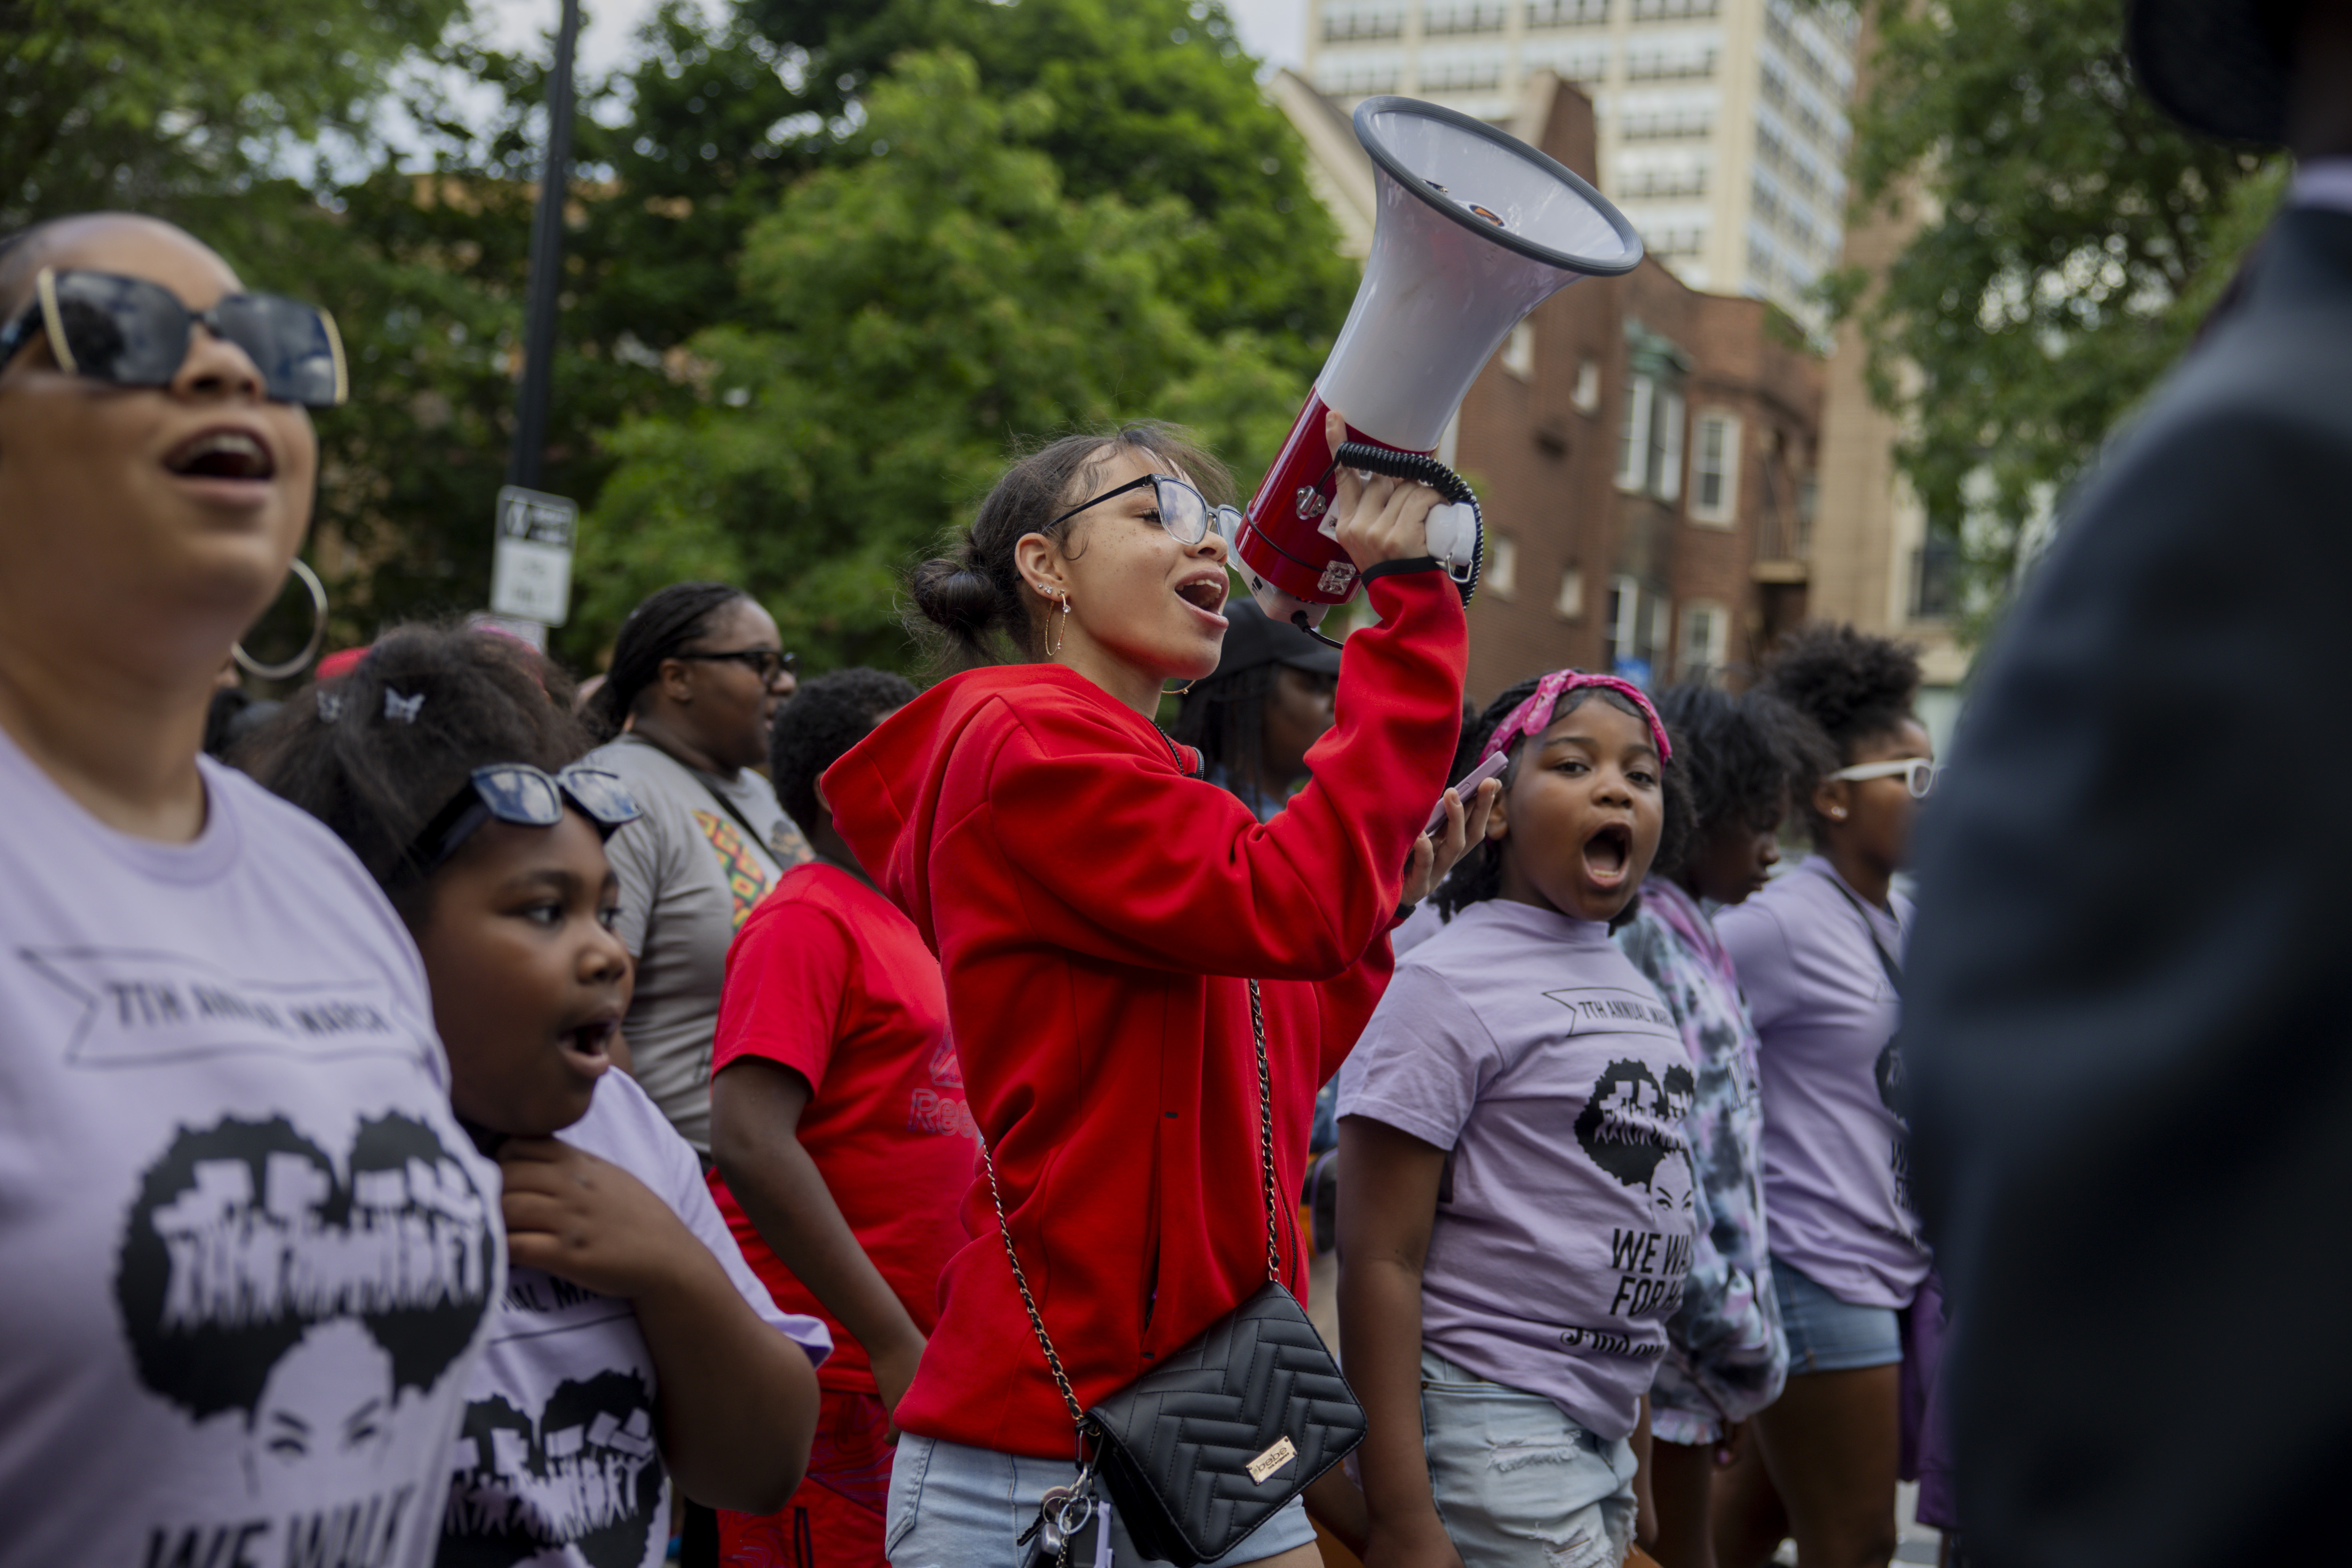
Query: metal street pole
point(546, 265)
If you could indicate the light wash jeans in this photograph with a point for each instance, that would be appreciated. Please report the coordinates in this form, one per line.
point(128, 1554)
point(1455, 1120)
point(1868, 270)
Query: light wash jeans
point(958, 1507)
point(1519, 1484)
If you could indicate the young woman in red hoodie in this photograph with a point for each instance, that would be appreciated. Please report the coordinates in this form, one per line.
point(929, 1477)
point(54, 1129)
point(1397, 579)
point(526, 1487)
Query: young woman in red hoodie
point(1096, 909)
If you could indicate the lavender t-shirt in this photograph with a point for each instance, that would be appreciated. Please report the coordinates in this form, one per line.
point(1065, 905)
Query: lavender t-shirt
point(559, 1462)
point(1837, 1159)
point(246, 1256)
point(1525, 1044)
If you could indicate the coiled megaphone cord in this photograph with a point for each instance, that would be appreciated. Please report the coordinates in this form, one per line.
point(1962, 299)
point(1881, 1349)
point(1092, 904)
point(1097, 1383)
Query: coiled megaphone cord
point(1421, 470)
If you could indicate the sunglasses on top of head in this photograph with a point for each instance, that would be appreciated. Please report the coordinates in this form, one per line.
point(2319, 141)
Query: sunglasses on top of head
point(522, 794)
point(1184, 512)
point(135, 332)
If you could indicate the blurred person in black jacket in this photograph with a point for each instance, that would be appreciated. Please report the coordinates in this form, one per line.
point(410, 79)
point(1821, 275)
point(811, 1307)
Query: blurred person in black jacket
point(2124, 1010)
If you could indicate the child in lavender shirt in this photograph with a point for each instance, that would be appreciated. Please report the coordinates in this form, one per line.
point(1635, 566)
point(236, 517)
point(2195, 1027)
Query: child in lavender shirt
point(1819, 954)
point(1725, 1354)
point(1514, 1187)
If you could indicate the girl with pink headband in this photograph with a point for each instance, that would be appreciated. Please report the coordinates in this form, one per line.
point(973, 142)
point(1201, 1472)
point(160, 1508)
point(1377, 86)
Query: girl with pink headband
point(1516, 1192)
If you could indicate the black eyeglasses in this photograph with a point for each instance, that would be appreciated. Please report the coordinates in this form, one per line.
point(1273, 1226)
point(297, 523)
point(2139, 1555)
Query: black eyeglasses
point(524, 795)
point(1184, 512)
point(135, 332)
point(767, 663)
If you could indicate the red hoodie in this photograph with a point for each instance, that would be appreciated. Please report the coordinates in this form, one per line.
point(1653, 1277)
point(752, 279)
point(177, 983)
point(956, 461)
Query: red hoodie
point(1091, 904)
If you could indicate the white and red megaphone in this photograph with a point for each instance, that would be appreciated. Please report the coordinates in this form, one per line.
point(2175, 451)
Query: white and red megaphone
point(1475, 229)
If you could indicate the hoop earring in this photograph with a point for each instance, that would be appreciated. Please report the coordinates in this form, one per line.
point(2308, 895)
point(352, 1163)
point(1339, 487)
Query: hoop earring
point(1179, 691)
point(300, 662)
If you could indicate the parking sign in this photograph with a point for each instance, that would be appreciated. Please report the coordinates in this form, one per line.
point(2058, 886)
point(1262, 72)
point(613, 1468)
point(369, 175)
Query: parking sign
point(531, 571)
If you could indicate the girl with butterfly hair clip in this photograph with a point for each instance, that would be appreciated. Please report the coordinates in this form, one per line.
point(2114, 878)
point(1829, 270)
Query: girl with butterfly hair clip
point(633, 1341)
point(1515, 1186)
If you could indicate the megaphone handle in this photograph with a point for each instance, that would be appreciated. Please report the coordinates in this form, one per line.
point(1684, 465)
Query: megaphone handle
point(1299, 619)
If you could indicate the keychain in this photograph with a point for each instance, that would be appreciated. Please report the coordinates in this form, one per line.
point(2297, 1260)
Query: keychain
point(1072, 1528)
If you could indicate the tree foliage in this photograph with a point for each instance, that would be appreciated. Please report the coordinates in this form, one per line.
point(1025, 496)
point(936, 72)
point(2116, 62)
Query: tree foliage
point(913, 312)
point(2069, 239)
point(180, 107)
point(808, 304)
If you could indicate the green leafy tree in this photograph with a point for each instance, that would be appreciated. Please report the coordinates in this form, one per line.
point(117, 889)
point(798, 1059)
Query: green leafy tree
point(168, 106)
point(917, 310)
point(1156, 99)
point(2069, 239)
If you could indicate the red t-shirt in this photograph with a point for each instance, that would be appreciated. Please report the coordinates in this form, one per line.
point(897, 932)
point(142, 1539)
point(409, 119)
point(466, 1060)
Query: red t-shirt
point(830, 979)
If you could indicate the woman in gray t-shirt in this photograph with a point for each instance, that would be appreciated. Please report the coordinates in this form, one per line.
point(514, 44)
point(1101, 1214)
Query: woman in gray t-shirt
point(697, 678)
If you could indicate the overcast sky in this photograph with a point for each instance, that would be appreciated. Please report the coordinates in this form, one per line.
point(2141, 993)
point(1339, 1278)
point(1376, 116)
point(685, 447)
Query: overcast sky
point(1274, 30)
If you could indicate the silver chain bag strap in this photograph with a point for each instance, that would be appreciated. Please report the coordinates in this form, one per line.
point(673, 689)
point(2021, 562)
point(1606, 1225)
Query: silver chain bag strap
point(1213, 1442)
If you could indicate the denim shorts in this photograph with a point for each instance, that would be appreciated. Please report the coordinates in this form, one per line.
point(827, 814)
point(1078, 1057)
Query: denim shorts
point(958, 1507)
point(1826, 1334)
point(1517, 1483)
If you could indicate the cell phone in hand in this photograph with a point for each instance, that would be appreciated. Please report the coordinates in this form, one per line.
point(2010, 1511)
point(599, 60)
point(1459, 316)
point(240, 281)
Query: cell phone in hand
point(1491, 768)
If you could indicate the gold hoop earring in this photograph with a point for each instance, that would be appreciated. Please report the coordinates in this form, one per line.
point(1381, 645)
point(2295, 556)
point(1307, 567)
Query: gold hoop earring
point(1178, 690)
point(293, 667)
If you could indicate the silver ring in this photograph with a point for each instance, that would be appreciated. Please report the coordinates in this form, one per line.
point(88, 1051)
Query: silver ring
point(300, 662)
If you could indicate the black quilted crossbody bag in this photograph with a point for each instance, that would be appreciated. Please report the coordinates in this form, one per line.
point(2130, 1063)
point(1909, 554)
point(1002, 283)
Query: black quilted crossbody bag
point(1210, 1444)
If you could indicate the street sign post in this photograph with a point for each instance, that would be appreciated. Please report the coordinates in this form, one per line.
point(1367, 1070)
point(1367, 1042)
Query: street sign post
point(531, 573)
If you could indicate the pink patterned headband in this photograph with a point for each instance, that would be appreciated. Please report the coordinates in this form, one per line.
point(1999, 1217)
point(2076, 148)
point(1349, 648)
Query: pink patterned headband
point(1533, 717)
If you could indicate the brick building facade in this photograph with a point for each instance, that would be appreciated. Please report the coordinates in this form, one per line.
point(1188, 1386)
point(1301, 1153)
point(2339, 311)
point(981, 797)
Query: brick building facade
point(1643, 452)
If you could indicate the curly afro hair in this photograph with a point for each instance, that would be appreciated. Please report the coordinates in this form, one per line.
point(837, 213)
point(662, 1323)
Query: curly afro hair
point(1479, 875)
point(827, 717)
point(1856, 686)
point(1746, 758)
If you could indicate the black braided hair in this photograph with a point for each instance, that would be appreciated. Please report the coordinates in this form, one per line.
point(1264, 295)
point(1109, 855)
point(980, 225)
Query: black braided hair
point(824, 719)
point(666, 622)
point(1479, 875)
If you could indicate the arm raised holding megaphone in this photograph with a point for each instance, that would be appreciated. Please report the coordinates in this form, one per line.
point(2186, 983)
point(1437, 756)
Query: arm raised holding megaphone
point(1475, 229)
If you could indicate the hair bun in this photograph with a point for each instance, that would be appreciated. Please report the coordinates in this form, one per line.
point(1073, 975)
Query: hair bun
point(955, 596)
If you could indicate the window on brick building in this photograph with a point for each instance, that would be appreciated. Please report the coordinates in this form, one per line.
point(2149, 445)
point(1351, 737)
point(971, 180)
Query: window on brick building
point(1715, 469)
point(1632, 631)
point(1706, 639)
point(1667, 448)
point(1568, 603)
point(1634, 437)
point(1587, 395)
point(1499, 574)
point(1519, 351)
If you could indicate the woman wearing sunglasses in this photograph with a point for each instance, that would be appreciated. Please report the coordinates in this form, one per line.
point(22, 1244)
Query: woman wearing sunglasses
point(1819, 952)
point(1095, 907)
point(698, 676)
point(631, 1338)
point(218, 1068)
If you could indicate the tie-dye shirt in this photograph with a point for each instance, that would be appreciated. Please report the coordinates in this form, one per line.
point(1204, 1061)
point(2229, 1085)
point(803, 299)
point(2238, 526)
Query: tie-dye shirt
point(1725, 1354)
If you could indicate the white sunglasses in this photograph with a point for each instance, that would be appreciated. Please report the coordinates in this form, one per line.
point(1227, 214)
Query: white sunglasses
point(1917, 773)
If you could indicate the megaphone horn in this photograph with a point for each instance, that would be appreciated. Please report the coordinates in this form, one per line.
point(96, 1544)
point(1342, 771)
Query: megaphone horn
point(1476, 228)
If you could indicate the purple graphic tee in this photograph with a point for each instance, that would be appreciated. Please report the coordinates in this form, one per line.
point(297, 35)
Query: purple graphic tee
point(1837, 1158)
point(246, 1254)
point(1525, 1044)
point(558, 1460)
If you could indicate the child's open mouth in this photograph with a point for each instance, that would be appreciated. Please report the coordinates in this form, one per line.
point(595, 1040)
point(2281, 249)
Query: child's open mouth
point(1608, 855)
point(589, 1046)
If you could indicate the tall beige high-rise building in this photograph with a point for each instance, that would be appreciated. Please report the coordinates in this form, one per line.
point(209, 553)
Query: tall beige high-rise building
point(1723, 130)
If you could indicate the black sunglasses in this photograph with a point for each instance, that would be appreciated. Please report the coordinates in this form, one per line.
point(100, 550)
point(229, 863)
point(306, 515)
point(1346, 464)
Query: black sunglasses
point(524, 795)
point(1184, 512)
point(764, 662)
point(135, 332)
